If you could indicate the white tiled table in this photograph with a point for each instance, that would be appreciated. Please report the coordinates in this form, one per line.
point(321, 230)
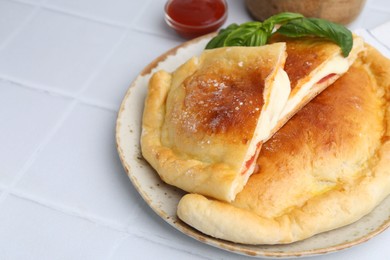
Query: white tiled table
point(64, 68)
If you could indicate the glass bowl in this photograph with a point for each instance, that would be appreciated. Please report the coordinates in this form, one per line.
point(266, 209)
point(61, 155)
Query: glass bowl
point(191, 18)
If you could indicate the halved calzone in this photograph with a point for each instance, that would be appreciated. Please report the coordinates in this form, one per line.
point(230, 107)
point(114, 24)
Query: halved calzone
point(326, 168)
point(204, 124)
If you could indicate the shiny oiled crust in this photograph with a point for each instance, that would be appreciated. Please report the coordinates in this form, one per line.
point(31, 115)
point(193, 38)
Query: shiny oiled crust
point(326, 168)
point(199, 120)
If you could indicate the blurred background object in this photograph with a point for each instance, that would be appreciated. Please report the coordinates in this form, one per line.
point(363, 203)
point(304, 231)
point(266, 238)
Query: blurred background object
point(338, 11)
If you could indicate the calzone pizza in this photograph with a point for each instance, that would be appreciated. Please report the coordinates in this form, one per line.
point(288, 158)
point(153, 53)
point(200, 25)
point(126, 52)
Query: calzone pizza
point(326, 167)
point(204, 124)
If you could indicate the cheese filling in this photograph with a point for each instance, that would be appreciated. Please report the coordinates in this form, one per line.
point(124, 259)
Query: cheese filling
point(336, 66)
point(280, 105)
point(270, 114)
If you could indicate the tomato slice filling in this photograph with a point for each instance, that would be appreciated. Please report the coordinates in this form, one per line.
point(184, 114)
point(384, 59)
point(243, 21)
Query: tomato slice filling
point(326, 78)
point(252, 159)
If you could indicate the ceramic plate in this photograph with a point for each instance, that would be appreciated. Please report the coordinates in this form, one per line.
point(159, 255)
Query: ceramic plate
point(163, 198)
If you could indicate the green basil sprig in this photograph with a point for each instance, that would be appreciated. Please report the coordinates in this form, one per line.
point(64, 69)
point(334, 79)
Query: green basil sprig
point(322, 28)
point(292, 25)
point(250, 33)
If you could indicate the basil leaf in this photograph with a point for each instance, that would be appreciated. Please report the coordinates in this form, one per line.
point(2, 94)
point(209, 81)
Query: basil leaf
point(218, 41)
point(322, 28)
point(253, 24)
point(282, 18)
point(239, 36)
point(292, 25)
point(258, 38)
point(252, 33)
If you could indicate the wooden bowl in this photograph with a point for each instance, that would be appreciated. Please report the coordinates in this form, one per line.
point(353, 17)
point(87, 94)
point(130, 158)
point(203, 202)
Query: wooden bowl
point(338, 11)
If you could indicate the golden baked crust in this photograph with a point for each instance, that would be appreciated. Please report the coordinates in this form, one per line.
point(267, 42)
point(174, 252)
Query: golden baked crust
point(326, 168)
point(306, 55)
point(312, 65)
point(194, 131)
point(204, 124)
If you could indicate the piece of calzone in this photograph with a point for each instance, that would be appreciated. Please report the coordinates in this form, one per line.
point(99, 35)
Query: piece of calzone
point(204, 124)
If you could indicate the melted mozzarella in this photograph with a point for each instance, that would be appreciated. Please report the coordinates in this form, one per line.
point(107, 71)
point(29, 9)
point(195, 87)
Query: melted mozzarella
point(337, 65)
point(280, 105)
point(269, 117)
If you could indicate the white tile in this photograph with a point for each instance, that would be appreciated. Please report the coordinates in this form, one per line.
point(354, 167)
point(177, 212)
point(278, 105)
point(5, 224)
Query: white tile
point(149, 250)
point(32, 231)
point(369, 19)
point(118, 11)
point(80, 169)
point(115, 77)
point(152, 20)
point(34, 2)
point(150, 226)
point(382, 33)
point(382, 5)
point(12, 15)
point(237, 13)
point(57, 50)
point(26, 117)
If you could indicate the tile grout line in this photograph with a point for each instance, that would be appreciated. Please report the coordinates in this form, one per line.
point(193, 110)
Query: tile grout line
point(85, 16)
point(117, 244)
point(101, 222)
point(27, 164)
point(40, 88)
point(162, 242)
point(71, 106)
point(138, 16)
point(100, 65)
point(157, 34)
point(86, 84)
point(120, 25)
point(90, 218)
point(98, 104)
point(20, 27)
point(67, 211)
point(378, 9)
point(97, 19)
point(141, 11)
point(29, 3)
point(56, 92)
point(75, 99)
point(378, 41)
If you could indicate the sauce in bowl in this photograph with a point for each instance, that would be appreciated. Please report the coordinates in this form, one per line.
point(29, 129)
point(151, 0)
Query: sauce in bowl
point(192, 18)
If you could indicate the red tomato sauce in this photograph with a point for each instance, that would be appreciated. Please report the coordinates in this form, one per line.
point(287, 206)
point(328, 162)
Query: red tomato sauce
point(249, 163)
point(326, 78)
point(192, 18)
